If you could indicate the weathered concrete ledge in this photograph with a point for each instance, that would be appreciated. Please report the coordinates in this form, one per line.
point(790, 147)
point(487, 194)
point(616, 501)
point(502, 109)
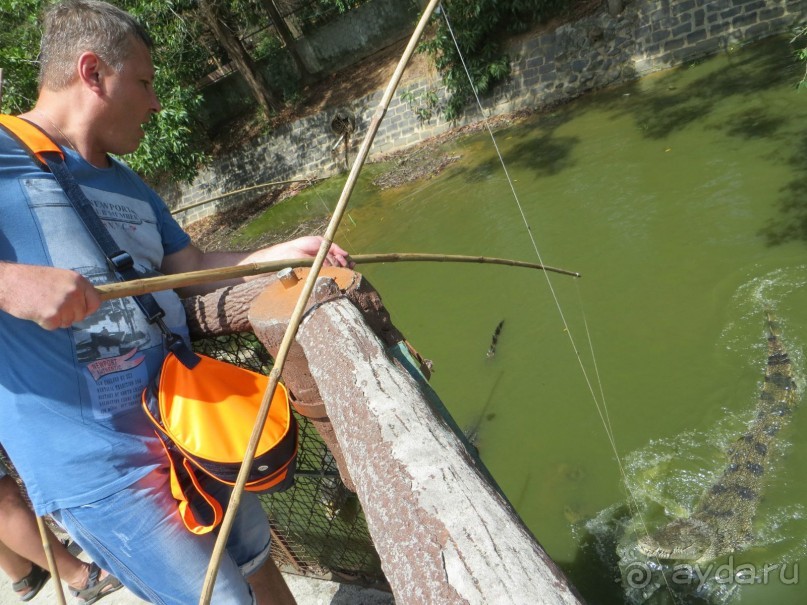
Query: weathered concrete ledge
point(443, 531)
point(444, 534)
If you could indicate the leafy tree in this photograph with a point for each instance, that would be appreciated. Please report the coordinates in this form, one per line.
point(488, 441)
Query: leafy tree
point(801, 39)
point(171, 145)
point(19, 47)
point(479, 27)
point(218, 18)
point(174, 142)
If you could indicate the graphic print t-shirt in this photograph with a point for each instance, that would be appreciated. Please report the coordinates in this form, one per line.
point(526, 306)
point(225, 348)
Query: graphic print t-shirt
point(70, 413)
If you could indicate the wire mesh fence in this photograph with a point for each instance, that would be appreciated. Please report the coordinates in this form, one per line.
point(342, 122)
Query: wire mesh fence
point(318, 526)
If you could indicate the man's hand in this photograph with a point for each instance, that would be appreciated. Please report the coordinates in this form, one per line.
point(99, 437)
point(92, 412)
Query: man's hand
point(53, 298)
point(192, 258)
point(301, 247)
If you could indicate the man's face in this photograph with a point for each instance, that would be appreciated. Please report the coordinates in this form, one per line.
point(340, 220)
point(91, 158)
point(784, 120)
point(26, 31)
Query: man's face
point(130, 101)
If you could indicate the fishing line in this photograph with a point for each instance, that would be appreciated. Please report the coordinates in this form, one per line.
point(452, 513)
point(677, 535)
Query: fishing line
point(600, 405)
point(631, 497)
point(350, 247)
point(534, 243)
point(607, 420)
point(609, 429)
point(633, 503)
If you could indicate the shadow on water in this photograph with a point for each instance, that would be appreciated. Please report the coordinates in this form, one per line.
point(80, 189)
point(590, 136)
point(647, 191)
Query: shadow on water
point(754, 123)
point(537, 148)
point(546, 155)
point(602, 578)
point(680, 101)
point(791, 225)
point(674, 102)
point(593, 571)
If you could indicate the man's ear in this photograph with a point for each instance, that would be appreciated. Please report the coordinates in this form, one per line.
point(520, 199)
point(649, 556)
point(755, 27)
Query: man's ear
point(90, 67)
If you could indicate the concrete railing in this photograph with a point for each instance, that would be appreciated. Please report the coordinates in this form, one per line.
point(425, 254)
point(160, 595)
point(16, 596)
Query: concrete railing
point(444, 531)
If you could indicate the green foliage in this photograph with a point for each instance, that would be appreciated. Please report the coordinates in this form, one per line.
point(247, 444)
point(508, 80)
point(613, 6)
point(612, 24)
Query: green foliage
point(801, 53)
point(479, 27)
point(19, 47)
point(170, 146)
point(425, 105)
point(173, 140)
point(252, 25)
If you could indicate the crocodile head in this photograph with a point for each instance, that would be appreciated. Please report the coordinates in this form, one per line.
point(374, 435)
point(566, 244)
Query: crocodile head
point(682, 539)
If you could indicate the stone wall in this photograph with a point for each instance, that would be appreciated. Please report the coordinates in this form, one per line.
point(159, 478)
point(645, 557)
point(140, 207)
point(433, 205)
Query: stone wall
point(599, 50)
point(357, 34)
point(349, 38)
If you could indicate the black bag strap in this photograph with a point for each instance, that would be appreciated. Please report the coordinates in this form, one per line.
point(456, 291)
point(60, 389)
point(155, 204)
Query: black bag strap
point(119, 261)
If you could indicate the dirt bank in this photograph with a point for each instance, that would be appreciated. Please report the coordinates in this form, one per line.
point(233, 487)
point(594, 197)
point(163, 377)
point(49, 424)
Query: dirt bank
point(421, 161)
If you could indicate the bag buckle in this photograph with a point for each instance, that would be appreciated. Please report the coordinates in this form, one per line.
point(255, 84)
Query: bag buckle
point(176, 345)
point(120, 261)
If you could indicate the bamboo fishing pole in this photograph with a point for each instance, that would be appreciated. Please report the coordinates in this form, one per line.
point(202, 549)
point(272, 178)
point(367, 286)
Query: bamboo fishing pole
point(138, 287)
point(237, 191)
point(299, 310)
point(54, 570)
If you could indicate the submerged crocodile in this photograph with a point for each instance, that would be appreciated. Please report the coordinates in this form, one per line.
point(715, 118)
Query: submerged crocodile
point(495, 339)
point(721, 522)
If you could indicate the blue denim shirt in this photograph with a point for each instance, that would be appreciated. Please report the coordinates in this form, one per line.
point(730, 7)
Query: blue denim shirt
point(70, 414)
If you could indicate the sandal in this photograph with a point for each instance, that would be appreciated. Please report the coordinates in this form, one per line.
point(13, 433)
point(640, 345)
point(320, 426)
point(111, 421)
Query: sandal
point(34, 581)
point(96, 589)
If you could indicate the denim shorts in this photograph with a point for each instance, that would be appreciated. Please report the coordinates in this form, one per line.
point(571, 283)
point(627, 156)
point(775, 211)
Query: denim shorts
point(138, 535)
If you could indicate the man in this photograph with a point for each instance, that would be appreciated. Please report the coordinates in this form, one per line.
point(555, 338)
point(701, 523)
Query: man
point(71, 419)
point(22, 556)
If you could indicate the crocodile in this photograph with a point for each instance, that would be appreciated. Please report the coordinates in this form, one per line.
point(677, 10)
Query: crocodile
point(721, 521)
point(495, 339)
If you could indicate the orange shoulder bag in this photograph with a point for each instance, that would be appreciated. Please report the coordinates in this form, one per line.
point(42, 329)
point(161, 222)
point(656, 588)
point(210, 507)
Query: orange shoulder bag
point(204, 417)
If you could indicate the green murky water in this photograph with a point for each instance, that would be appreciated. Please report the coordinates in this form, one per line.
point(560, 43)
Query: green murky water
point(682, 199)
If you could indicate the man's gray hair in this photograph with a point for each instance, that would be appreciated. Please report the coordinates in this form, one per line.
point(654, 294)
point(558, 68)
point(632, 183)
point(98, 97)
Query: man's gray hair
point(73, 27)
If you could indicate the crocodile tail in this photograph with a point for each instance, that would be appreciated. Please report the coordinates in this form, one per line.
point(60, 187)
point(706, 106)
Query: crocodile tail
point(776, 351)
point(773, 323)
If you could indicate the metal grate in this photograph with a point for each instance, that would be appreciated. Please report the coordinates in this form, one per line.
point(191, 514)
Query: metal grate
point(318, 525)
